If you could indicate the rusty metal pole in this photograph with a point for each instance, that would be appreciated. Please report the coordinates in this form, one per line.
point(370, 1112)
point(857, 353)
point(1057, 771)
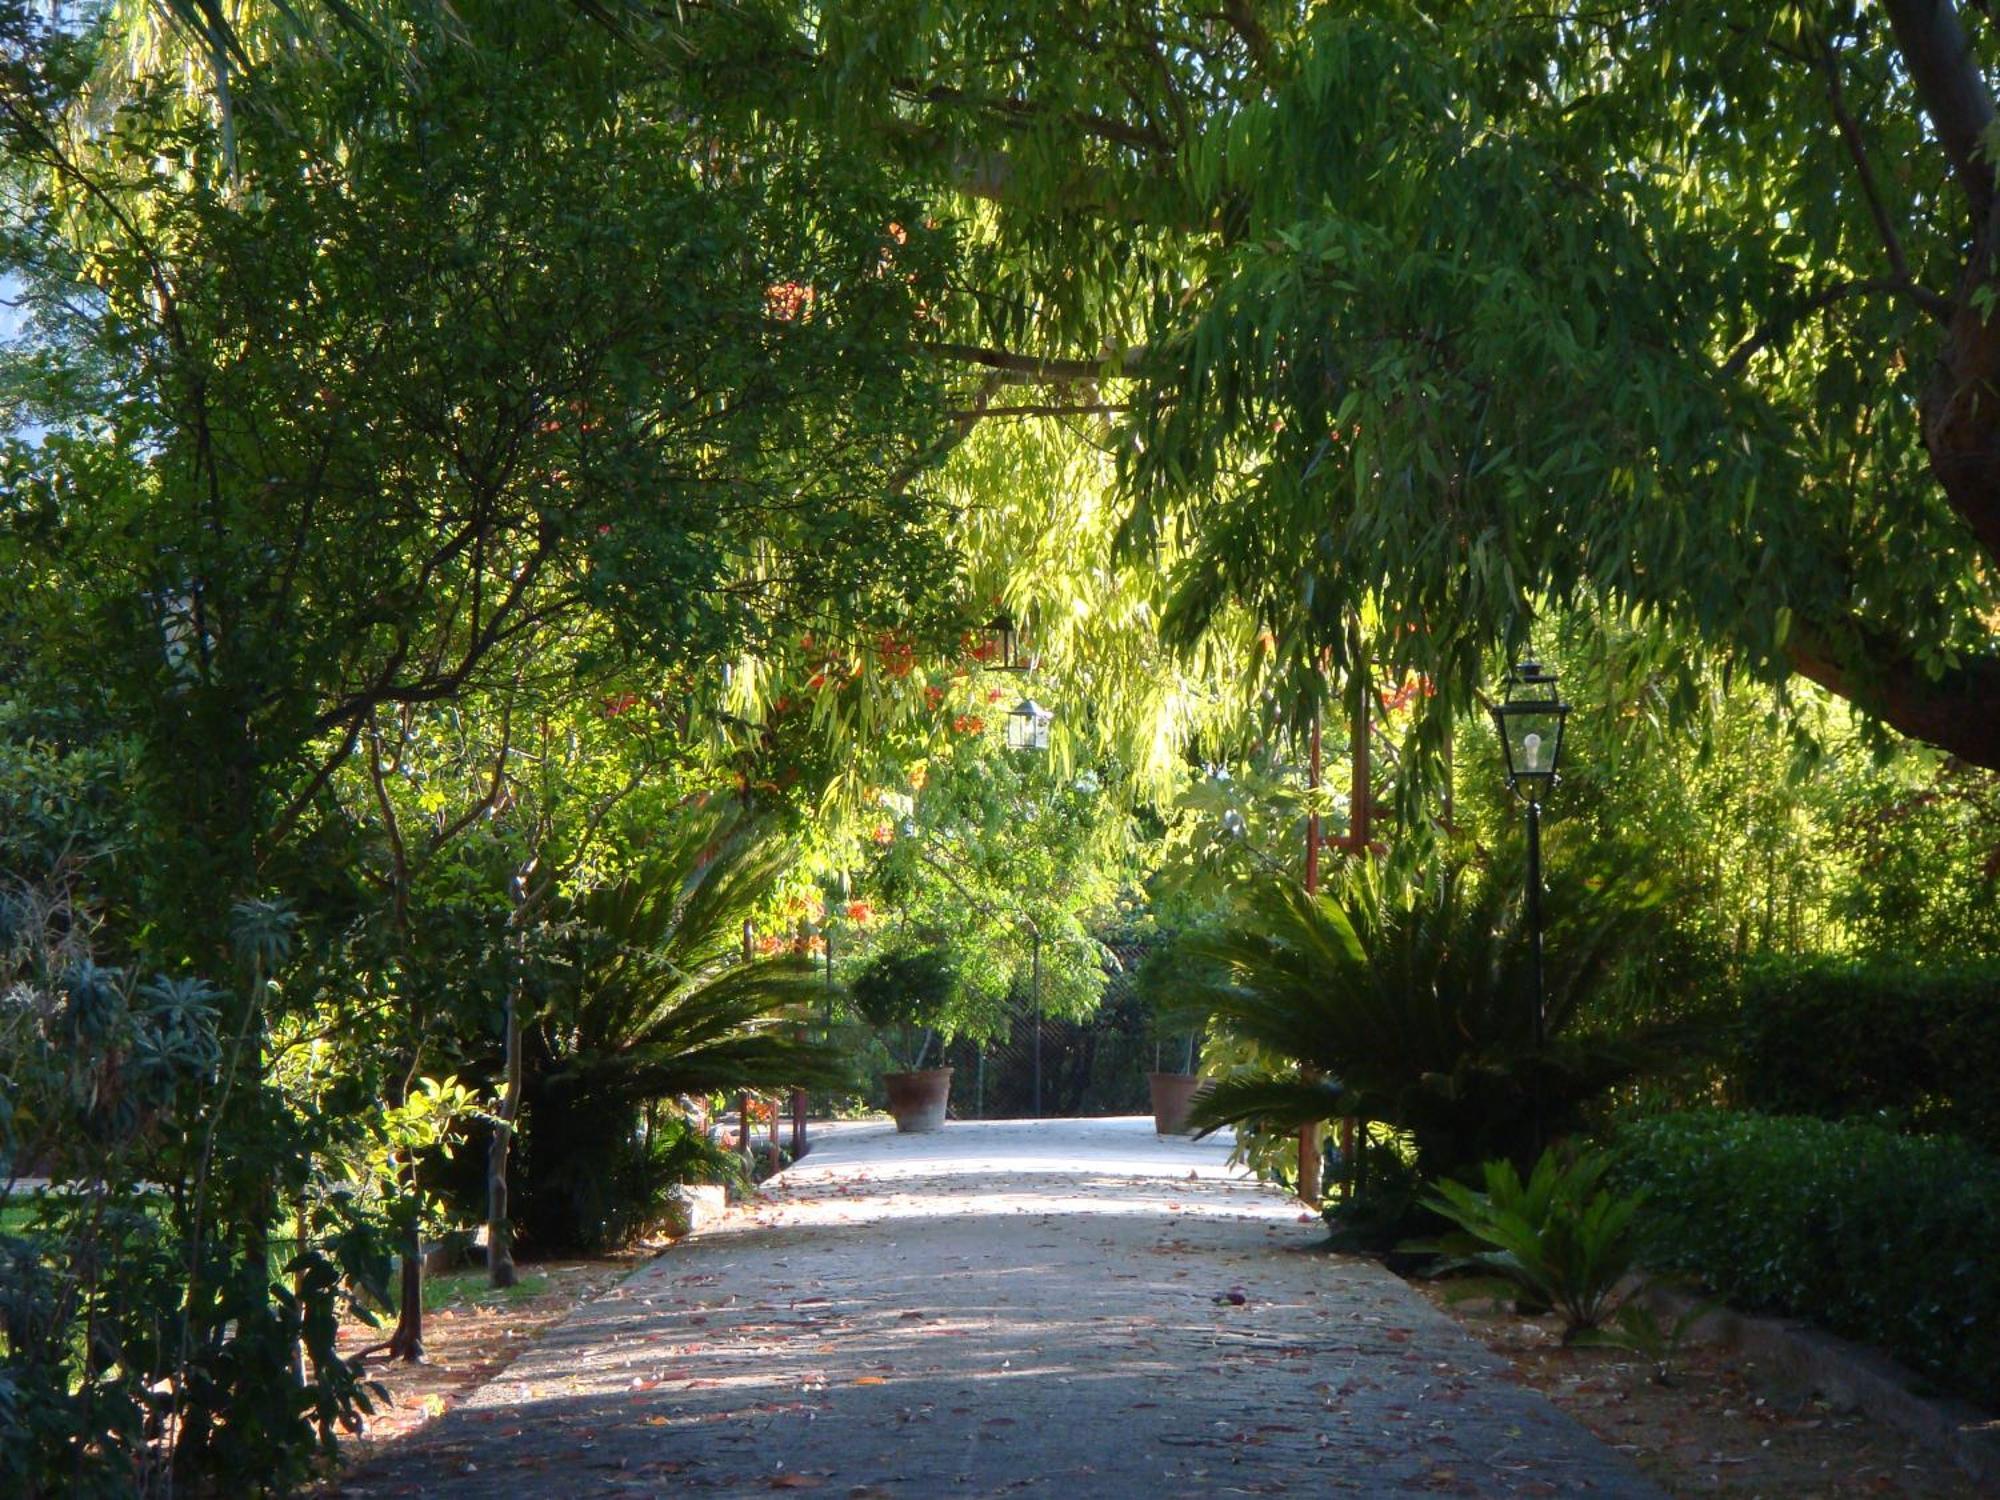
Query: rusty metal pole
point(1309, 1147)
point(743, 1146)
point(1361, 824)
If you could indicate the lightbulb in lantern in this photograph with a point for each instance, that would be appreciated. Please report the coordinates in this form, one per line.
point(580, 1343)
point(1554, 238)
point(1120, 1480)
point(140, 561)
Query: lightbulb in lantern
point(1532, 743)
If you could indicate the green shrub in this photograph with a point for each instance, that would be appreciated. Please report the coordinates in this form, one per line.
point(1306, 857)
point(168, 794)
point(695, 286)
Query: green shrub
point(1884, 1238)
point(906, 996)
point(1560, 1239)
point(1837, 1039)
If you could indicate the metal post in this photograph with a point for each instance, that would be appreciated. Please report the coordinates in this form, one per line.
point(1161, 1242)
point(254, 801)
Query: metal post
point(1309, 1146)
point(1038, 1021)
point(1535, 949)
point(744, 1144)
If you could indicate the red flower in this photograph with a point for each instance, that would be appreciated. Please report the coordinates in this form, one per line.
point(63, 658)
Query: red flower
point(788, 302)
point(859, 911)
point(881, 833)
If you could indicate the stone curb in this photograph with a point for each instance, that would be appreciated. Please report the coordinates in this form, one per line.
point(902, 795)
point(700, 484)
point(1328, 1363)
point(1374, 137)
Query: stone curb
point(1850, 1376)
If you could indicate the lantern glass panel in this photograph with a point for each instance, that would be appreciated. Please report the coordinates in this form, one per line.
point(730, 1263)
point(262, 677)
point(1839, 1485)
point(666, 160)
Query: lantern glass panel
point(999, 644)
point(1533, 736)
point(1028, 726)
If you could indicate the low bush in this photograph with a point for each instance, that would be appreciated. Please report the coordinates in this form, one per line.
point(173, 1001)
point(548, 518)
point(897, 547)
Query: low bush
point(1884, 1238)
point(1560, 1239)
point(1918, 1046)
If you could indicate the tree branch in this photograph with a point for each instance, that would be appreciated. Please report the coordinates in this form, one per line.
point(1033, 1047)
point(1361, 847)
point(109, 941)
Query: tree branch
point(1035, 369)
point(1958, 712)
point(1780, 328)
point(1954, 94)
point(1850, 135)
point(1079, 409)
point(1022, 112)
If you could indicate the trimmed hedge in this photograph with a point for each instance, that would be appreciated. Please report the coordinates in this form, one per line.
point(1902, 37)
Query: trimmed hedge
point(1887, 1239)
point(1920, 1046)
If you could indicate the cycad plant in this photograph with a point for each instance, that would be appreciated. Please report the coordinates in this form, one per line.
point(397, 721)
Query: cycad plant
point(1411, 1009)
point(1559, 1240)
point(650, 1000)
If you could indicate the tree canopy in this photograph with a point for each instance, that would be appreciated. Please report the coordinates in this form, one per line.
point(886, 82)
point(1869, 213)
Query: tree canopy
point(1461, 312)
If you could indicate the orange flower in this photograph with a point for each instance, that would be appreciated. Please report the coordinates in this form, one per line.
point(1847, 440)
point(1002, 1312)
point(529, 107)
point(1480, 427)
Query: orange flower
point(788, 302)
point(859, 911)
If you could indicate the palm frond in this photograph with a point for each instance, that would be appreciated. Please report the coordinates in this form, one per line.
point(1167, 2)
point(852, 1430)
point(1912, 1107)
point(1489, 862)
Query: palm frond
point(1416, 1008)
point(1275, 1100)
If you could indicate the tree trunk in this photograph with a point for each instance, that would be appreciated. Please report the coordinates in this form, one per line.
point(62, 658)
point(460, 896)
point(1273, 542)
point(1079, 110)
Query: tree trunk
point(499, 1225)
point(407, 1342)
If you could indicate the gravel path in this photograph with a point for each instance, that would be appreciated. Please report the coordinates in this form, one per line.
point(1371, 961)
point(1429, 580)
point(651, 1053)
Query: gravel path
point(1055, 1308)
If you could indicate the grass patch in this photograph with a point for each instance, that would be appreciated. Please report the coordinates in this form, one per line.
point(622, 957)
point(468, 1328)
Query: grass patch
point(469, 1288)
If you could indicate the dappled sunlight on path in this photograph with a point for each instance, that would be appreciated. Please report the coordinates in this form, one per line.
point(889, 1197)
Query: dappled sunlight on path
point(1067, 1308)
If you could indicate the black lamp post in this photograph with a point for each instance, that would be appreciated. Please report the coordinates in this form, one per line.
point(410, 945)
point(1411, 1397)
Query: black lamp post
point(1530, 721)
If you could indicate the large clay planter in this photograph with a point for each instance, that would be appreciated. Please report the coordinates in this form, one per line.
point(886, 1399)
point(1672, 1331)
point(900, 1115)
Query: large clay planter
point(1173, 1096)
point(917, 1099)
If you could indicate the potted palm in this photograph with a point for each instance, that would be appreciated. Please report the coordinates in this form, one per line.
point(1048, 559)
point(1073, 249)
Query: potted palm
point(905, 996)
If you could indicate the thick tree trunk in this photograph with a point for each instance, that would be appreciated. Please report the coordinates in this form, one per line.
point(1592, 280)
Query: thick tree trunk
point(1958, 712)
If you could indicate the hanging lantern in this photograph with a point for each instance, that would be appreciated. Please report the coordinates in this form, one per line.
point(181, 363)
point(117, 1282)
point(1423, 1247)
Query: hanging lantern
point(1000, 646)
point(1028, 726)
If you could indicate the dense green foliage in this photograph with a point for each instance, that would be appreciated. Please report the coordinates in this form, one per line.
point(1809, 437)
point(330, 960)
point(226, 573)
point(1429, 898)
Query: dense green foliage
point(1410, 1009)
point(907, 998)
point(448, 462)
point(1913, 1045)
point(1000, 862)
point(1874, 1235)
point(647, 999)
point(380, 519)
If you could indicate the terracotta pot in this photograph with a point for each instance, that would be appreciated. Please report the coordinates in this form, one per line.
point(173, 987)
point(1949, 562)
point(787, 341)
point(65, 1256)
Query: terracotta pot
point(1173, 1096)
point(917, 1100)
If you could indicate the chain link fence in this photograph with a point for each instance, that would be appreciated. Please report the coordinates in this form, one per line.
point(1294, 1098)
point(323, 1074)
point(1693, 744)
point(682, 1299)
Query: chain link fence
point(1050, 1067)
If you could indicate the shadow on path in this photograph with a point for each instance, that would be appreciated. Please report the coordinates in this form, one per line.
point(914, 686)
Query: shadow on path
point(1061, 1308)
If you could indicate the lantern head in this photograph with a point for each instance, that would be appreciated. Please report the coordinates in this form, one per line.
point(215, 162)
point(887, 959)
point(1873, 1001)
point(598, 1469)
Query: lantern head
point(1530, 722)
